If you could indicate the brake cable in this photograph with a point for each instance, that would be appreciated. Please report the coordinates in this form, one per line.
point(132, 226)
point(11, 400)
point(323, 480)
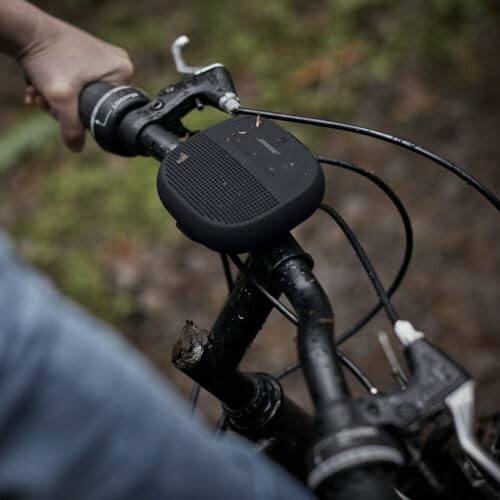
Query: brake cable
point(398, 141)
point(408, 236)
point(390, 310)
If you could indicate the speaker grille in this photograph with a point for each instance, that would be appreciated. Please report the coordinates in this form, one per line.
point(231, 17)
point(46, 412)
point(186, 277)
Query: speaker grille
point(215, 184)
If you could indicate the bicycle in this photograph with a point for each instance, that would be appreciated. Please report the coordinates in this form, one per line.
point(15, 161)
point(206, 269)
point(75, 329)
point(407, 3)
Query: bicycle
point(240, 186)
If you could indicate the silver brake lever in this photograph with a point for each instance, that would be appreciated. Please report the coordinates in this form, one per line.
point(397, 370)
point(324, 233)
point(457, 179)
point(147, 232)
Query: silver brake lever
point(461, 405)
point(176, 48)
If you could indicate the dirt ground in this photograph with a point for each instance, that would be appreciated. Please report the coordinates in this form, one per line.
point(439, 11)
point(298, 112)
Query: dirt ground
point(452, 289)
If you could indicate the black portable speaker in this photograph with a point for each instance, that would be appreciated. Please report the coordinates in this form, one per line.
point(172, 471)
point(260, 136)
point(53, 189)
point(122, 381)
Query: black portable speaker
point(240, 184)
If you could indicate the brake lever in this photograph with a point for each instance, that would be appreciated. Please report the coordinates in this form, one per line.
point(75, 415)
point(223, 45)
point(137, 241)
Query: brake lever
point(177, 47)
point(228, 100)
point(210, 85)
point(436, 383)
point(461, 406)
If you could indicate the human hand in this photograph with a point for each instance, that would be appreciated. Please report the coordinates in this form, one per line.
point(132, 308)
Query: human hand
point(59, 61)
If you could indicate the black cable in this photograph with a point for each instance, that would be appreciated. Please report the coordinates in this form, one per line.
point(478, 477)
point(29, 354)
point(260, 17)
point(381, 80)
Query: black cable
point(408, 237)
point(357, 372)
point(452, 167)
point(288, 370)
point(365, 261)
point(347, 362)
point(227, 271)
point(274, 301)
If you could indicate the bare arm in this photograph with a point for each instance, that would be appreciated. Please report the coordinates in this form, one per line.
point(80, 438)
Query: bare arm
point(18, 22)
point(59, 59)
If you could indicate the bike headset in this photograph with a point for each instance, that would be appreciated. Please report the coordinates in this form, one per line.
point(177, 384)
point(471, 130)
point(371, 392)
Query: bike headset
point(244, 183)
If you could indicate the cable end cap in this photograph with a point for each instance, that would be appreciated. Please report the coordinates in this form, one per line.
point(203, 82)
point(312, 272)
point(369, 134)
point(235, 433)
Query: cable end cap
point(406, 332)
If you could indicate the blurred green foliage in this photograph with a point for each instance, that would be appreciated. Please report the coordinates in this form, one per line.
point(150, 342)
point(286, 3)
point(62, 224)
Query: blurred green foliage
point(87, 215)
point(314, 57)
point(27, 135)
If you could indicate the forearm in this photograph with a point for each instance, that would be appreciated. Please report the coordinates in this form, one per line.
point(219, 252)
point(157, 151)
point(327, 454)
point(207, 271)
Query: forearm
point(19, 24)
point(59, 60)
point(84, 416)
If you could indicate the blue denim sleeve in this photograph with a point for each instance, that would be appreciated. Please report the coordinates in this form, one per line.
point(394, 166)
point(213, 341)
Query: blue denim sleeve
point(84, 416)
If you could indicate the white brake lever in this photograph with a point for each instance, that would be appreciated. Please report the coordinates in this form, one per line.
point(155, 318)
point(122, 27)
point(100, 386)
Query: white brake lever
point(176, 48)
point(461, 405)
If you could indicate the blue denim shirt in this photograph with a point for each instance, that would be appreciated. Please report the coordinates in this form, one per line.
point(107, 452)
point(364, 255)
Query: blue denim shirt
point(84, 416)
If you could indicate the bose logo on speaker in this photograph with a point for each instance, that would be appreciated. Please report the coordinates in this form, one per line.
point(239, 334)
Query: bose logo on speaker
point(268, 146)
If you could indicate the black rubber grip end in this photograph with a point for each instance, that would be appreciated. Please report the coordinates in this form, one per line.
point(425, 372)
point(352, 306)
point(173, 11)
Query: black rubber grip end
point(89, 97)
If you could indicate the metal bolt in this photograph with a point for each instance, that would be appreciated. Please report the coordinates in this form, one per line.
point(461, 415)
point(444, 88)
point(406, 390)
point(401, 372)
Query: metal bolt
point(157, 104)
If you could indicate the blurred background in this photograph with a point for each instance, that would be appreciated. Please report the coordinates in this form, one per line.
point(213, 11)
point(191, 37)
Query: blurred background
point(427, 70)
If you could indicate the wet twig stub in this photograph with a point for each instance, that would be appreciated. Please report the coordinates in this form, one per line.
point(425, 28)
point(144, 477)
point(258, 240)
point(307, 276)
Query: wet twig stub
point(189, 348)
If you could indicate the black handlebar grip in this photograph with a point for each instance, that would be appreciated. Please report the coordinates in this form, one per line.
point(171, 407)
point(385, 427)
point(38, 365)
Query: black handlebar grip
point(373, 482)
point(102, 108)
point(89, 97)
